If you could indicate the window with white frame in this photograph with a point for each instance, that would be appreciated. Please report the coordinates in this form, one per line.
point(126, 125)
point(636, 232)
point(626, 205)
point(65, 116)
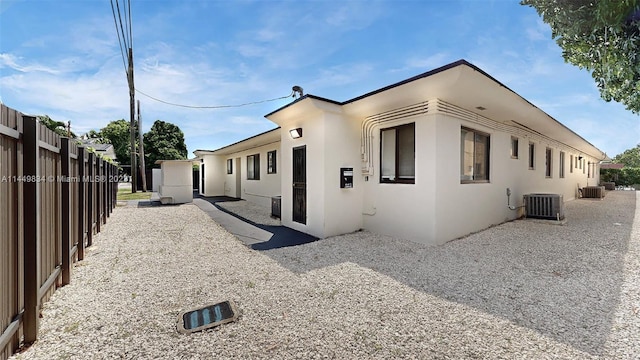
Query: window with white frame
point(253, 167)
point(229, 166)
point(474, 156)
point(561, 163)
point(398, 154)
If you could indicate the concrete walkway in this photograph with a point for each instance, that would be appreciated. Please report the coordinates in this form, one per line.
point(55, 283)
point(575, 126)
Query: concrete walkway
point(247, 233)
point(256, 236)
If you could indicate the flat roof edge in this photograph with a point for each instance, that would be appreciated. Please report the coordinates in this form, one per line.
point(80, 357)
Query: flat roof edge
point(240, 141)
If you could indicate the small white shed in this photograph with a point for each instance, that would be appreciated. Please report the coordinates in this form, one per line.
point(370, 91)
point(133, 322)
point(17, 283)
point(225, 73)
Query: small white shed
point(176, 181)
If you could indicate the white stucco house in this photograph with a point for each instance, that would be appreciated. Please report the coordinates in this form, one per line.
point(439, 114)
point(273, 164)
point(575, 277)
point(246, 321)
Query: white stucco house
point(428, 159)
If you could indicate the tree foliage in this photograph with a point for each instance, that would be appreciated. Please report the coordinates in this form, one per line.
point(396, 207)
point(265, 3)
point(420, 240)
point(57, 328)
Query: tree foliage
point(58, 127)
point(630, 174)
point(625, 176)
point(602, 37)
point(630, 157)
point(164, 141)
point(118, 135)
point(95, 137)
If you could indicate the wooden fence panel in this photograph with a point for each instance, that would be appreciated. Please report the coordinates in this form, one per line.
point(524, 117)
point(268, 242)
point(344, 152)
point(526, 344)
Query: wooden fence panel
point(91, 198)
point(11, 272)
point(50, 211)
point(82, 202)
point(54, 197)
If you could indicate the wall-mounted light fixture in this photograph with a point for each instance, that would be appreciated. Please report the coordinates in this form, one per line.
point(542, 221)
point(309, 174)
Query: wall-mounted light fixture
point(579, 157)
point(296, 133)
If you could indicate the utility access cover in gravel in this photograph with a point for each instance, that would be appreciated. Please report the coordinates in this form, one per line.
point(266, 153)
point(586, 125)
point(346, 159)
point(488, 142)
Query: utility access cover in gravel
point(207, 317)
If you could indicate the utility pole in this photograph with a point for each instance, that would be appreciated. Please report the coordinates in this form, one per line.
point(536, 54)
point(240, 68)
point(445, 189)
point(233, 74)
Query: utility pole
point(143, 171)
point(132, 111)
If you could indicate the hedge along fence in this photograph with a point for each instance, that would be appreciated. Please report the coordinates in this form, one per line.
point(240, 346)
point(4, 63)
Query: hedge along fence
point(54, 196)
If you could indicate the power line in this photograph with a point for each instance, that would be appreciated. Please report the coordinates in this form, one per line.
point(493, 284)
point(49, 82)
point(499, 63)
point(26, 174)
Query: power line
point(115, 20)
point(216, 106)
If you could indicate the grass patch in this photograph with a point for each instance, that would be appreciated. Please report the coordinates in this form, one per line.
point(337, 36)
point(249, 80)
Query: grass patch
point(126, 194)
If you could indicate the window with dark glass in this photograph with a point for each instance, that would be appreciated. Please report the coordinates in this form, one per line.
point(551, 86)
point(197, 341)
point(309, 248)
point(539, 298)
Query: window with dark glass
point(532, 156)
point(253, 167)
point(548, 157)
point(398, 147)
point(229, 166)
point(514, 147)
point(271, 162)
point(474, 156)
point(570, 163)
point(561, 168)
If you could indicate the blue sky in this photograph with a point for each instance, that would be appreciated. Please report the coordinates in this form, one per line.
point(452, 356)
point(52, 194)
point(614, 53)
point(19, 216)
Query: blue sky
point(62, 58)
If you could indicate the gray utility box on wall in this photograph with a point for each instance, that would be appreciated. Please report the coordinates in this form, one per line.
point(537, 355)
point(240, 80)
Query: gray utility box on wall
point(276, 206)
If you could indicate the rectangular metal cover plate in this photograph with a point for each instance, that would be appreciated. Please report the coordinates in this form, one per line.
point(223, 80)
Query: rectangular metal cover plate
point(202, 318)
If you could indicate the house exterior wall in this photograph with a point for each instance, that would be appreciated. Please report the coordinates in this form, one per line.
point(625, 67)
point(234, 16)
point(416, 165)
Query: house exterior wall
point(219, 183)
point(257, 191)
point(404, 210)
point(313, 129)
point(343, 206)
point(461, 209)
point(214, 171)
point(438, 206)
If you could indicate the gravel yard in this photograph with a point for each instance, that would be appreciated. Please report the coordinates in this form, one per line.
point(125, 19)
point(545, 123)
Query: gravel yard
point(523, 289)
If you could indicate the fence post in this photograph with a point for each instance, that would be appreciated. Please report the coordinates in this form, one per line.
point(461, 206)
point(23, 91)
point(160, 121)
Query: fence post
point(90, 196)
point(31, 228)
point(116, 185)
point(65, 158)
point(105, 186)
point(99, 199)
point(82, 209)
point(107, 192)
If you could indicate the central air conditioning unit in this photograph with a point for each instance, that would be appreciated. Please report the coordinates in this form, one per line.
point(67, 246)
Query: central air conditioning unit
point(596, 192)
point(544, 206)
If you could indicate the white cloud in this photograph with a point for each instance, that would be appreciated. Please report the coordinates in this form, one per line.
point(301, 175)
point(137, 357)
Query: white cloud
point(13, 62)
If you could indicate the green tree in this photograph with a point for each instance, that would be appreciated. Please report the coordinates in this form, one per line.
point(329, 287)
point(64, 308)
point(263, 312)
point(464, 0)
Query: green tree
point(117, 133)
point(164, 141)
point(602, 37)
point(58, 127)
point(630, 157)
point(96, 137)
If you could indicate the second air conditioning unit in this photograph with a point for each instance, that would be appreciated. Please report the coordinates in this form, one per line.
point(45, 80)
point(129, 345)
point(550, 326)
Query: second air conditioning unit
point(544, 206)
point(596, 192)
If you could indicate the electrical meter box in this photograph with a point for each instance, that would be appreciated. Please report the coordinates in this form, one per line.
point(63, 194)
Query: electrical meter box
point(346, 178)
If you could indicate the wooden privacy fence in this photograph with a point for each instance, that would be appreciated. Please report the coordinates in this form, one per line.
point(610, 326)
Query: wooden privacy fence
point(54, 196)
